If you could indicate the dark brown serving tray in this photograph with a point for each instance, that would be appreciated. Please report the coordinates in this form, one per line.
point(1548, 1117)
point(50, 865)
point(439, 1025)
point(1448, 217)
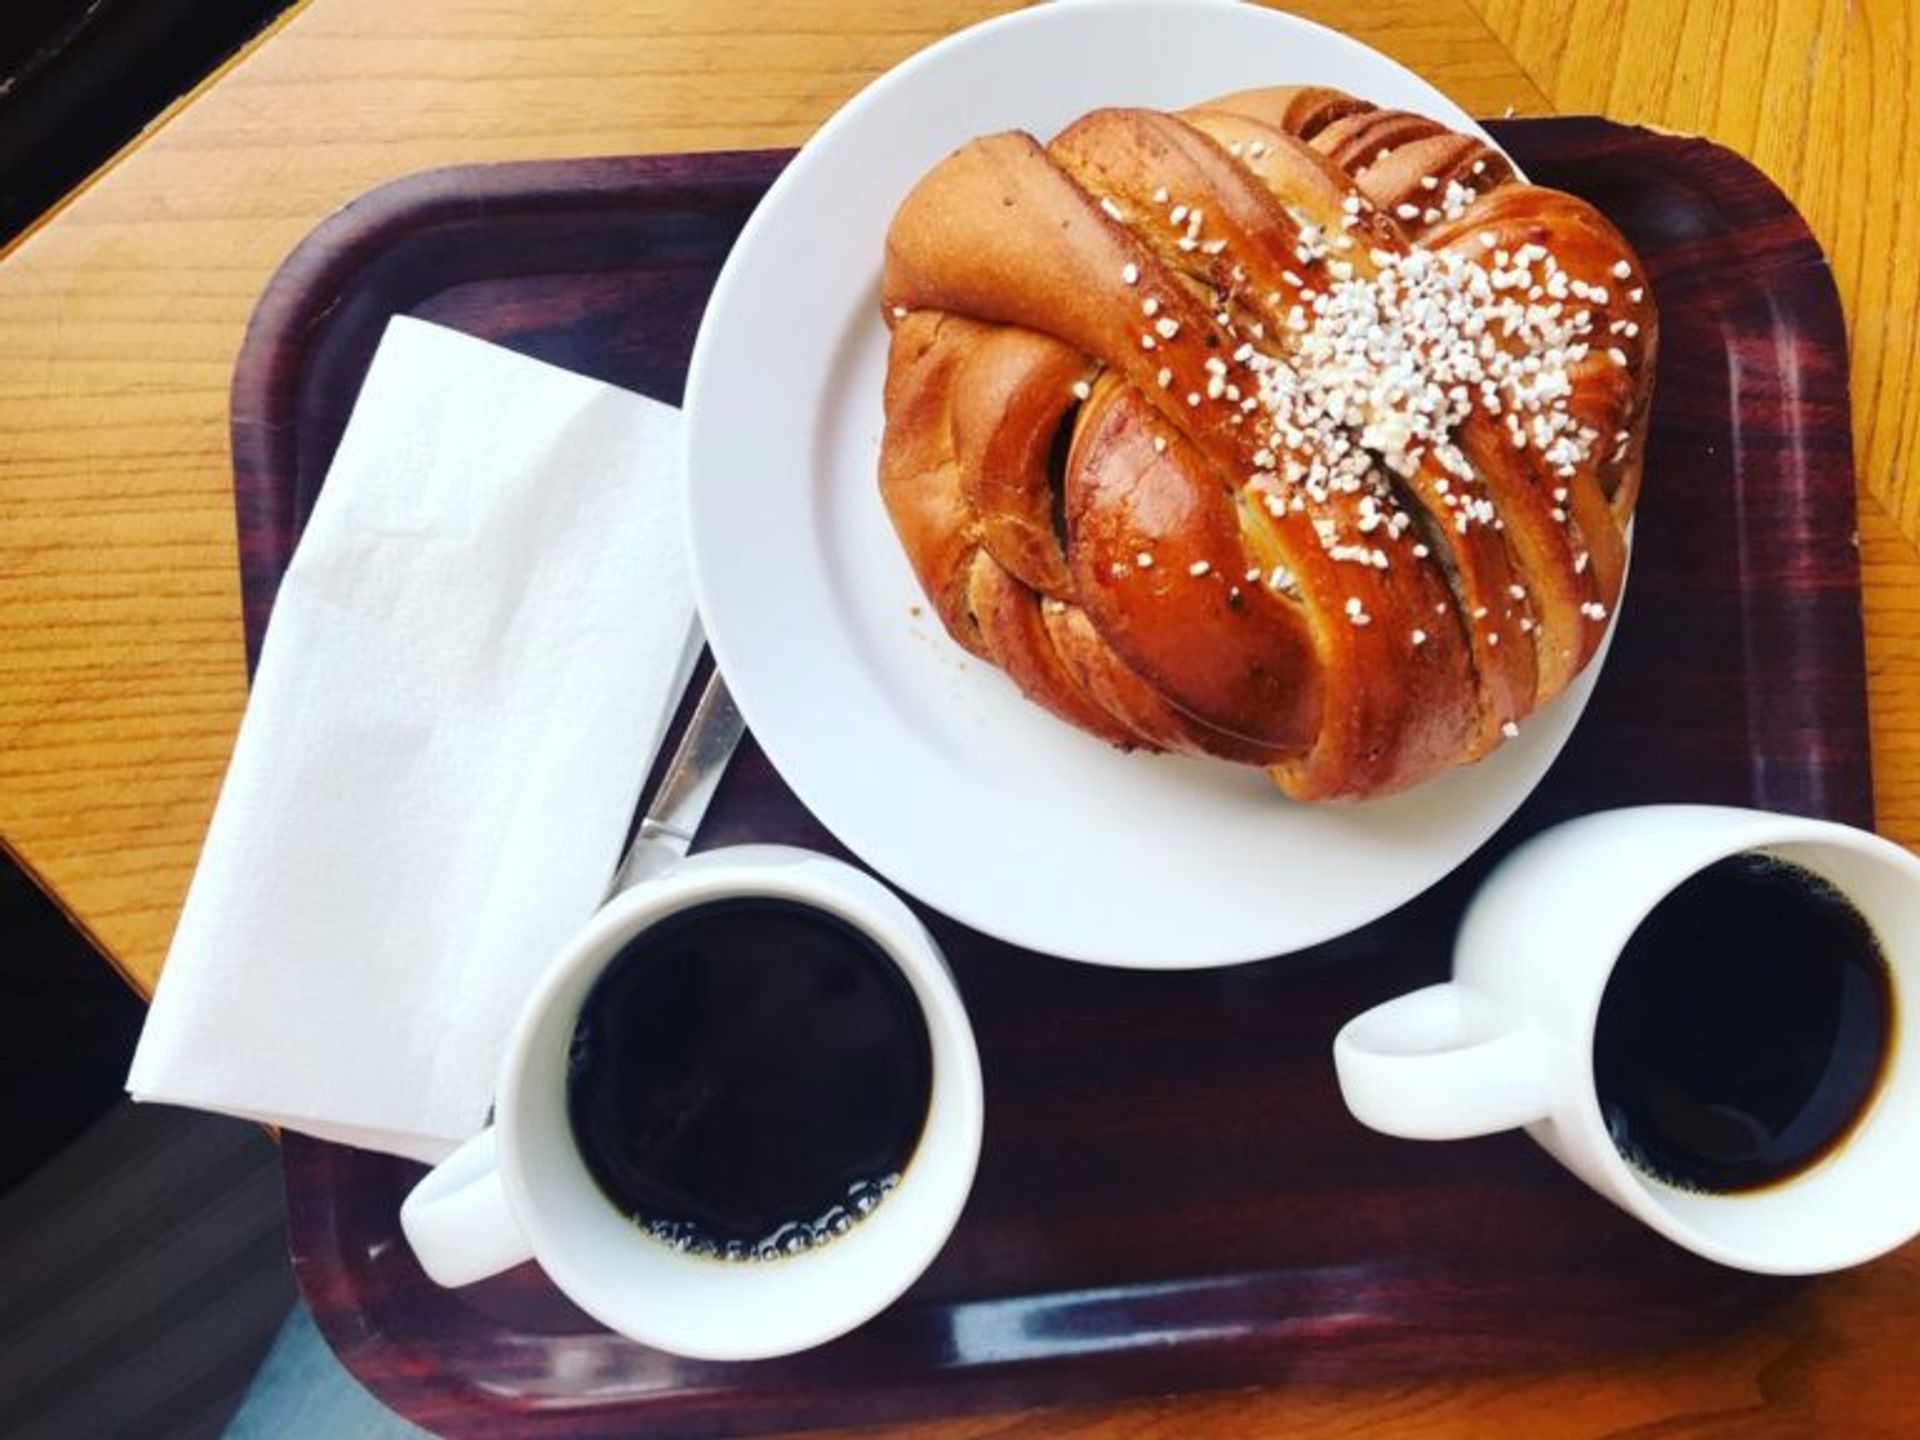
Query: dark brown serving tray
point(1171, 1195)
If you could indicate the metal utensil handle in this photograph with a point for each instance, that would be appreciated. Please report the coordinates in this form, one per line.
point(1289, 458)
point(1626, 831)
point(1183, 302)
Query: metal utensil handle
point(668, 828)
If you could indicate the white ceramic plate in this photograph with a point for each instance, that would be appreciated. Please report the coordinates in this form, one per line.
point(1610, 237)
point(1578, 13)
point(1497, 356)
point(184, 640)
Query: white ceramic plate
point(926, 763)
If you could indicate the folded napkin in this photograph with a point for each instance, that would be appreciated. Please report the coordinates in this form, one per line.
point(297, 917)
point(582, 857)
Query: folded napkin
point(469, 667)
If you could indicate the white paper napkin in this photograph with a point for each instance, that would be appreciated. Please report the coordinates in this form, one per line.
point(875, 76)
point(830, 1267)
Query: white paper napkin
point(469, 668)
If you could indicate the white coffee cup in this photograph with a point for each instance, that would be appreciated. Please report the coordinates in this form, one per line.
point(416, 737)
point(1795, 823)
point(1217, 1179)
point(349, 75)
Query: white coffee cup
point(520, 1190)
point(1509, 1040)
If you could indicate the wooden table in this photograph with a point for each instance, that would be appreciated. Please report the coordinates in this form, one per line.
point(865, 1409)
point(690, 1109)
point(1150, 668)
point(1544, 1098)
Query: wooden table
point(121, 678)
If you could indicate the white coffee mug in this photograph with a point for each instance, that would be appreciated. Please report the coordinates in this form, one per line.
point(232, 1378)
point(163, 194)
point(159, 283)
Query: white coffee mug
point(520, 1190)
point(1509, 1040)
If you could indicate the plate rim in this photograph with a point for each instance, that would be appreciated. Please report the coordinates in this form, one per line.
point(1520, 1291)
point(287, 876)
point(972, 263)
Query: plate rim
point(964, 904)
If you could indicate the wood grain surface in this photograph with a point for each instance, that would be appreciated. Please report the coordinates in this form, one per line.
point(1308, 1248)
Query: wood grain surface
point(121, 669)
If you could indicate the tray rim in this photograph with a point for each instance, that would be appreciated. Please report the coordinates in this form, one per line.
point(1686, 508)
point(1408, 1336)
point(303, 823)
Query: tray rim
point(297, 296)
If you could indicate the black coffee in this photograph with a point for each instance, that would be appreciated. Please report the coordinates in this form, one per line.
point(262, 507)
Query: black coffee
point(1744, 1029)
point(749, 1078)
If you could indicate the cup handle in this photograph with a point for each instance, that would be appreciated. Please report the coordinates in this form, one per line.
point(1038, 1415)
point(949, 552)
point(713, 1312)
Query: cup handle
point(458, 1220)
point(1443, 1064)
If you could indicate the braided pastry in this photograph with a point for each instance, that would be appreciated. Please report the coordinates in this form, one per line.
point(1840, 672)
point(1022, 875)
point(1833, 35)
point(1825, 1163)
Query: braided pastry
point(1284, 429)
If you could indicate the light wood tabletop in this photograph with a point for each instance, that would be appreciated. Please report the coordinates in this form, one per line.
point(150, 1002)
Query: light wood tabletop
point(121, 668)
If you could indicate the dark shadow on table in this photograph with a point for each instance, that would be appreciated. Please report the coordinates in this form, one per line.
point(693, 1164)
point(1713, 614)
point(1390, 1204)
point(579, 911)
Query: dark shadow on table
point(80, 78)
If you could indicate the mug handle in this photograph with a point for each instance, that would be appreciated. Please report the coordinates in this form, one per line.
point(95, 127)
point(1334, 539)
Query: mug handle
point(1443, 1064)
point(458, 1220)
